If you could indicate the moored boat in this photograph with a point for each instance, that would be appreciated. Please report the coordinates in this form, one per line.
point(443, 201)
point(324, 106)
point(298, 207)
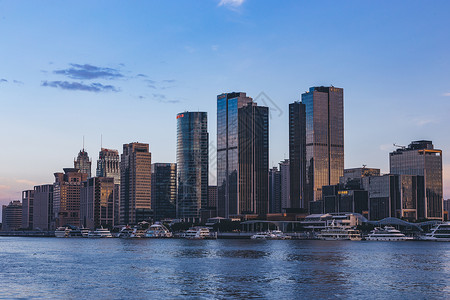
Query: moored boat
point(158, 230)
point(387, 233)
point(439, 233)
point(100, 233)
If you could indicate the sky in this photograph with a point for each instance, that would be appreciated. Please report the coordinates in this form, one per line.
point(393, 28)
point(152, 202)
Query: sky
point(116, 72)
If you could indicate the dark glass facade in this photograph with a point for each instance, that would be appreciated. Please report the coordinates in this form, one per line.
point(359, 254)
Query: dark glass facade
point(297, 154)
point(324, 112)
point(164, 190)
point(97, 198)
point(192, 164)
point(420, 158)
point(274, 190)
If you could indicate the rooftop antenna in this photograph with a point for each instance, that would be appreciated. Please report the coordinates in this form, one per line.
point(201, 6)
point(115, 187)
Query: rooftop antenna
point(101, 141)
point(83, 143)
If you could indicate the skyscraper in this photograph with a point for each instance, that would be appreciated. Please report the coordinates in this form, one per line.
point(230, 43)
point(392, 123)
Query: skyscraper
point(297, 154)
point(242, 155)
point(192, 164)
point(420, 158)
point(27, 209)
point(274, 191)
point(164, 190)
point(324, 114)
point(135, 183)
point(285, 184)
point(108, 164)
point(83, 163)
point(43, 207)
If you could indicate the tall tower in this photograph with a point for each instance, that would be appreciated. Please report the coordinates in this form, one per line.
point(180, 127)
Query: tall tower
point(164, 190)
point(108, 164)
point(324, 115)
point(192, 164)
point(420, 158)
point(285, 184)
point(297, 154)
point(242, 155)
point(135, 183)
point(83, 163)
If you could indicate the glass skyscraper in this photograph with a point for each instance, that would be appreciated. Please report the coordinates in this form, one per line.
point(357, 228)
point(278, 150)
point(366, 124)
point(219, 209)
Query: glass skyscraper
point(164, 190)
point(297, 154)
point(242, 155)
point(192, 164)
point(324, 114)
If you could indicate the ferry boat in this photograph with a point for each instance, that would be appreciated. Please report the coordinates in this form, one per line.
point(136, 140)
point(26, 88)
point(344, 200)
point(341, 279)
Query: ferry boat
point(62, 232)
point(270, 235)
point(339, 233)
point(197, 233)
point(158, 230)
point(387, 233)
point(100, 233)
point(127, 233)
point(439, 233)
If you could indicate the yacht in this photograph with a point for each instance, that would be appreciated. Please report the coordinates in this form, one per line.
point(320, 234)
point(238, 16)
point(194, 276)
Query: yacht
point(440, 232)
point(158, 230)
point(62, 232)
point(197, 233)
point(387, 233)
point(270, 235)
point(127, 232)
point(100, 233)
point(339, 233)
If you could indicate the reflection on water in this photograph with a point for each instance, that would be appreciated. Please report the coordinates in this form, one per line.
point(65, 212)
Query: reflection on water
point(170, 268)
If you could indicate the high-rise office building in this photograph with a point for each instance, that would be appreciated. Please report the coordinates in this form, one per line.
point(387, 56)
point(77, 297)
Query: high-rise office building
point(27, 209)
point(192, 164)
point(420, 158)
point(83, 163)
point(97, 202)
point(274, 191)
point(164, 190)
point(43, 207)
point(242, 155)
point(12, 216)
point(135, 183)
point(212, 196)
point(297, 154)
point(324, 114)
point(285, 184)
point(66, 197)
point(108, 164)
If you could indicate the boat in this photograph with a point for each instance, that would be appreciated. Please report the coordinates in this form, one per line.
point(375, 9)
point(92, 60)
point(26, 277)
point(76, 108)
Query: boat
point(197, 232)
point(439, 233)
point(100, 233)
point(127, 232)
point(158, 230)
point(62, 232)
point(387, 233)
point(270, 235)
point(339, 233)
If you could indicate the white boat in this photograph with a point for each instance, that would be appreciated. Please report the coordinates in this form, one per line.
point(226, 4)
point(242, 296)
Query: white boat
point(127, 232)
point(158, 230)
point(270, 235)
point(439, 233)
point(387, 233)
point(100, 233)
point(62, 232)
point(197, 232)
point(339, 233)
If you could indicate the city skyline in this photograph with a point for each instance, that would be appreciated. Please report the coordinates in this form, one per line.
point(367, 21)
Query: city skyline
point(98, 82)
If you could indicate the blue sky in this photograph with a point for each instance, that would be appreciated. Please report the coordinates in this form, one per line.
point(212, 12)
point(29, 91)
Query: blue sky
point(124, 69)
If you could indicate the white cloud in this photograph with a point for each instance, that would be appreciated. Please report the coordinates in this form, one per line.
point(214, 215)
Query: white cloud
point(446, 94)
point(234, 3)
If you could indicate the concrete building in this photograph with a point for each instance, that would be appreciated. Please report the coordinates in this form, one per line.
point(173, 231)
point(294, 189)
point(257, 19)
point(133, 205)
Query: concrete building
point(83, 163)
point(12, 216)
point(297, 154)
point(212, 196)
point(108, 164)
point(135, 183)
point(420, 158)
point(43, 207)
point(27, 209)
point(192, 164)
point(66, 196)
point(97, 198)
point(164, 190)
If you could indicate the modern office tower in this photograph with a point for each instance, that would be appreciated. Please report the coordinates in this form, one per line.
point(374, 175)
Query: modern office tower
point(352, 178)
point(43, 207)
point(135, 183)
point(27, 209)
point(297, 154)
point(83, 163)
point(66, 196)
point(192, 164)
point(394, 196)
point(97, 202)
point(12, 216)
point(324, 110)
point(343, 199)
point(447, 205)
point(212, 196)
point(274, 191)
point(285, 184)
point(108, 164)
point(420, 158)
point(164, 190)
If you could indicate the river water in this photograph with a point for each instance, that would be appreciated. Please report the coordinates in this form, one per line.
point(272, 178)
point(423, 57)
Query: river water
point(218, 269)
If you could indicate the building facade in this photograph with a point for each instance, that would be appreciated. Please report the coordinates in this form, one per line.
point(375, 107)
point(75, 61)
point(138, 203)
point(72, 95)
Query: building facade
point(108, 164)
point(97, 199)
point(135, 183)
point(324, 114)
point(285, 184)
point(164, 190)
point(212, 196)
point(83, 163)
point(420, 158)
point(192, 164)
point(12, 216)
point(27, 209)
point(274, 191)
point(43, 207)
point(297, 154)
